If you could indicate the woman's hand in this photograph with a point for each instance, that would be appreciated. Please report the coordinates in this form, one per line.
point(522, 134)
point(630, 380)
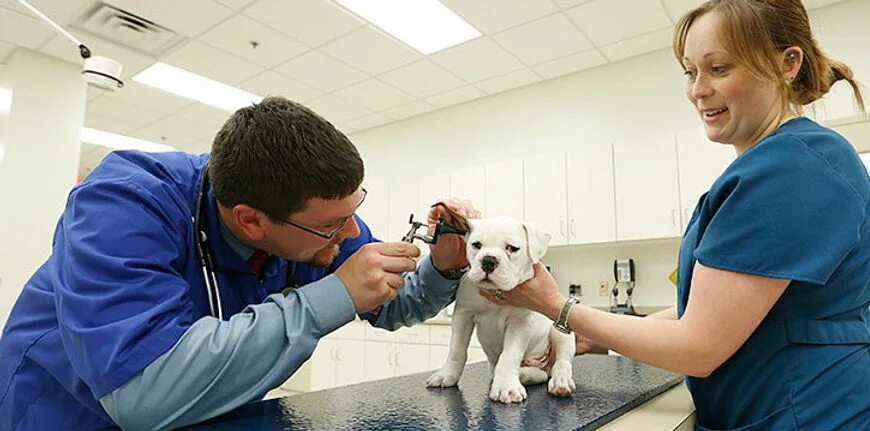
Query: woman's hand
point(540, 293)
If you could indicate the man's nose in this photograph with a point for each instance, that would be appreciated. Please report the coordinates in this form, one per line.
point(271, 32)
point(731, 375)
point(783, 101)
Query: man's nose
point(489, 264)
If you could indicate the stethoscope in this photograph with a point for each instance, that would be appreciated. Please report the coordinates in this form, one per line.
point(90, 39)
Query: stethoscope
point(204, 253)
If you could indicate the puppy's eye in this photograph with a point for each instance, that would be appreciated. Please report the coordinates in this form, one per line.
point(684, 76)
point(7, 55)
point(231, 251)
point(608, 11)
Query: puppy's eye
point(512, 249)
point(476, 245)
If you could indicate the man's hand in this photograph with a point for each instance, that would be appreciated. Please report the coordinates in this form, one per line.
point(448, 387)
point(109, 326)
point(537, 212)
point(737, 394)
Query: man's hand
point(449, 253)
point(372, 275)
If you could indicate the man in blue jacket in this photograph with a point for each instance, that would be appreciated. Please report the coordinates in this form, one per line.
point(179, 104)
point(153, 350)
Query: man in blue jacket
point(181, 286)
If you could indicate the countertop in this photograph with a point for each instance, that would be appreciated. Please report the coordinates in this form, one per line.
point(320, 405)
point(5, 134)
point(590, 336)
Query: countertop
point(608, 388)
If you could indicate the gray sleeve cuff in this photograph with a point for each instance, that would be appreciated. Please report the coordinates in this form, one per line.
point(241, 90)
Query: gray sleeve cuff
point(331, 302)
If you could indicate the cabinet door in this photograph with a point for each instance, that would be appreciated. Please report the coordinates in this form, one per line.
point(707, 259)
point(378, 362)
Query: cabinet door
point(403, 202)
point(374, 211)
point(647, 191)
point(591, 198)
point(411, 358)
point(379, 360)
point(323, 365)
point(545, 195)
point(701, 162)
point(437, 356)
point(350, 362)
point(504, 189)
point(470, 183)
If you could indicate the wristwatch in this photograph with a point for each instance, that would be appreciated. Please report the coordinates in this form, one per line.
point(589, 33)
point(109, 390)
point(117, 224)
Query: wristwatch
point(561, 322)
point(453, 274)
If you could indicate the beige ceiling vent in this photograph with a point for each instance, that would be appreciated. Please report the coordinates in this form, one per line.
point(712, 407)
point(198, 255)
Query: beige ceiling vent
point(124, 28)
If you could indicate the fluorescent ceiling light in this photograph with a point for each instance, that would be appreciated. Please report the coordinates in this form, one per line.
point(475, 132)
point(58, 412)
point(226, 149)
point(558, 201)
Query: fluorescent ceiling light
point(426, 25)
point(120, 142)
point(5, 101)
point(195, 87)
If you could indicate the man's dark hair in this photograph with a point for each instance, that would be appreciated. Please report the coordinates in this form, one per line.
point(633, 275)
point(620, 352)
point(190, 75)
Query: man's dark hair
point(277, 154)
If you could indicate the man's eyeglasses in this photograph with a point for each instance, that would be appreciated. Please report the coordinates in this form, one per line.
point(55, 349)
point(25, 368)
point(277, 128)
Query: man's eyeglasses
point(334, 231)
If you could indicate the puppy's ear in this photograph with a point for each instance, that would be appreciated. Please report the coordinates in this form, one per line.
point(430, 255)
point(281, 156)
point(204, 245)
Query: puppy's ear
point(471, 224)
point(537, 241)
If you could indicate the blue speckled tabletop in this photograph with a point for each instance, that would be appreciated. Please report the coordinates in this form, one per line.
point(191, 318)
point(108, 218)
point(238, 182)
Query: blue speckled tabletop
point(607, 387)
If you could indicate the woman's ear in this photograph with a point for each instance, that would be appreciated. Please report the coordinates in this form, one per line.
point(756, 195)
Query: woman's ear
point(793, 58)
point(537, 241)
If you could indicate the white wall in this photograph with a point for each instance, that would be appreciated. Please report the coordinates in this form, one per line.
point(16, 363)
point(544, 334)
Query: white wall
point(643, 95)
point(40, 134)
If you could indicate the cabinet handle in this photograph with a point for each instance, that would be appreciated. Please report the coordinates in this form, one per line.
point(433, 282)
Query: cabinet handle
point(332, 353)
point(573, 233)
point(562, 228)
point(338, 353)
point(397, 358)
point(673, 218)
point(686, 215)
point(390, 359)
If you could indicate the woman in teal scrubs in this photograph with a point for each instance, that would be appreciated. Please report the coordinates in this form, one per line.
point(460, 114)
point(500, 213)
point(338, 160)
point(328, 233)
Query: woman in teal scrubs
point(771, 323)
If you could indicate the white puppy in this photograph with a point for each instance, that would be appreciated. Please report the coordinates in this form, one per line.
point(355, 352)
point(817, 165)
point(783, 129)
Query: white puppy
point(522, 346)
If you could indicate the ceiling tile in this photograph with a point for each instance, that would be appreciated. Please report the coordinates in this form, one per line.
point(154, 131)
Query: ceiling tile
point(493, 16)
point(102, 122)
point(455, 96)
point(23, 29)
point(205, 115)
point(236, 35)
point(596, 19)
point(212, 63)
point(271, 83)
point(155, 100)
point(61, 12)
point(676, 8)
point(638, 45)
point(565, 4)
point(543, 40)
point(235, 4)
point(373, 95)
point(188, 17)
point(477, 60)
point(408, 110)
point(370, 50)
point(570, 64)
point(422, 78)
point(320, 71)
point(131, 62)
point(508, 81)
point(369, 121)
point(6, 49)
point(127, 113)
point(336, 110)
point(176, 130)
point(313, 22)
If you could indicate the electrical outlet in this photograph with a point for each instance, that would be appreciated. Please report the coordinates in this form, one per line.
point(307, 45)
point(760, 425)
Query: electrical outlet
point(603, 288)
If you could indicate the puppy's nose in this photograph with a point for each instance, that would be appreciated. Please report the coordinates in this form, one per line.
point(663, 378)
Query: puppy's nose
point(489, 264)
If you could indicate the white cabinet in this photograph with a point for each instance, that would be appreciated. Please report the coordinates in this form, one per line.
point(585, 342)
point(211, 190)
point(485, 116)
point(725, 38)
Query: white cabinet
point(335, 362)
point(402, 202)
point(385, 360)
point(504, 189)
point(701, 161)
point(545, 196)
point(375, 209)
point(647, 189)
point(470, 183)
point(591, 198)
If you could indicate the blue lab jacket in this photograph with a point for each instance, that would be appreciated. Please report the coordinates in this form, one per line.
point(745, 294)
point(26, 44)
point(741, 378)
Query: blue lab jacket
point(122, 299)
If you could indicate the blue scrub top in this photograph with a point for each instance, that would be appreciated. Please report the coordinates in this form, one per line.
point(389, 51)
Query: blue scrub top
point(793, 206)
point(122, 284)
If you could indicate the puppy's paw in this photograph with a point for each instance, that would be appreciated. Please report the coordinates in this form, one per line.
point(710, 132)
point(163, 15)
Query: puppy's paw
point(561, 383)
point(507, 392)
point(442, 379)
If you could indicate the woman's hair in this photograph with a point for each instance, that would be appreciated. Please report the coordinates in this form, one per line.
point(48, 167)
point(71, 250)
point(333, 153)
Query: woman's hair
point(756, 32)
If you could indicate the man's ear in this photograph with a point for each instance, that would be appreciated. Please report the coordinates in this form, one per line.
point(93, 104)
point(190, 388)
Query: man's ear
point(537, 241)
point(250, 221)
